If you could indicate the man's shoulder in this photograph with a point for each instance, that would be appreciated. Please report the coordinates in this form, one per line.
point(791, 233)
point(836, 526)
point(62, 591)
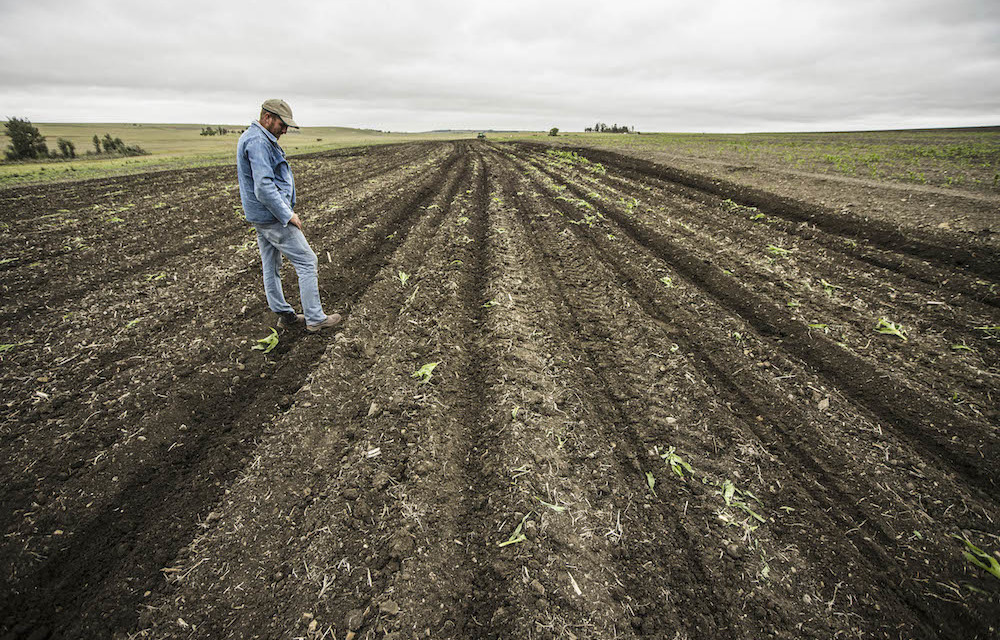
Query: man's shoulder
point(251, 137)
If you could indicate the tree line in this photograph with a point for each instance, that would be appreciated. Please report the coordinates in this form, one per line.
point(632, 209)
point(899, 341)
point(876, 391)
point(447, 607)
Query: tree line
point(28, 143)
point(600, 127)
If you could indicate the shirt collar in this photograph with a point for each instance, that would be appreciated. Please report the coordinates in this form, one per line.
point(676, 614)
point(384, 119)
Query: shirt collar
point(270, 136)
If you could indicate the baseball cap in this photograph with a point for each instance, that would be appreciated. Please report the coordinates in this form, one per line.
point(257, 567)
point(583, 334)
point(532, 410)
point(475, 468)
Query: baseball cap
point(281, 109)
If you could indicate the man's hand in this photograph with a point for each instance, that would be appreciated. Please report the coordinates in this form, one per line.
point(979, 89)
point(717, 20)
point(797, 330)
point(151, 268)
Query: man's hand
point(295, 220)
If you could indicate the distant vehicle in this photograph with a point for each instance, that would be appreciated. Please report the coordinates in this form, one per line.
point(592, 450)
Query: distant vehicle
point(481, 136)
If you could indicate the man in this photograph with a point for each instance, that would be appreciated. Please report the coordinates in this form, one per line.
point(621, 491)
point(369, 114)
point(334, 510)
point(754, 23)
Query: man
point(267, 190)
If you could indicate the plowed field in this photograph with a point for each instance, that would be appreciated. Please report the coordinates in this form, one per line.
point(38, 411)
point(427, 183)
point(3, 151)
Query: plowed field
point(652, 405)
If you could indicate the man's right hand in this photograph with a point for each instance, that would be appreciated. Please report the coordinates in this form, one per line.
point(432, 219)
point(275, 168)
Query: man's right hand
point(295, 220)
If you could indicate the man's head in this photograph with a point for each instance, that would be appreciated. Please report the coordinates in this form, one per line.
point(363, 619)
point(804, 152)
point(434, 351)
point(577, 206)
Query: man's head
point(276, 117)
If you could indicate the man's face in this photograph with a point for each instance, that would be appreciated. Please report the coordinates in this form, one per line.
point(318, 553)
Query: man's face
point(273, 124)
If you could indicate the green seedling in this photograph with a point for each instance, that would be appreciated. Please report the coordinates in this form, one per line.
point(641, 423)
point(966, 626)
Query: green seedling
point(612, 237)
point(491, 303)
point(734, 498)
point(961, 347)
point(463, 220)
point(517, 536)
point(778, 252)
point(403, 277)
point(267, 344)
point(8, 260)
point(554, 507)
point(667, 280)
point(676, 462)
point(153, 277)
point(423, 374)
point(980, 558)
point(513, 412)
point(758, 216)
point(792, 304)
point(8, 347)
point(651, 481)
point(132, 323)
point(992, 331)
point(828, 287)
point(891, 328)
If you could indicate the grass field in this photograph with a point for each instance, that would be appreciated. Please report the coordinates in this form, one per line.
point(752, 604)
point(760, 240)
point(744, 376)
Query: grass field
point(968, 158)
point(175, 146)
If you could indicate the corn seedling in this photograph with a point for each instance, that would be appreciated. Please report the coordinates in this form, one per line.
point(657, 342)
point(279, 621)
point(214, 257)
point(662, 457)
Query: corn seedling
point(991, 331)
point(677, 463)
point(819, 325)
point(555, 507)
point(651, 482)
point(612, 237)
point(980, 558)
point(267, 344)
point(153, 277)
point(132, 323)
point(517, 536)
point(8, 347)
point(734, 498)
point(758, 216)
point(513, 412)
point(891, 328)
point(961, 347)
point(828, 287)
point(792, 304)
point(463, 220)
point(778, 252)
point(491, 303)
point(423, 374)
point(8, 260)
point(403, 278)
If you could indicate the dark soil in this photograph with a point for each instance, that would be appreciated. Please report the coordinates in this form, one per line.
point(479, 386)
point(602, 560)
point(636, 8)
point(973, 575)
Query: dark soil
point(659, 408)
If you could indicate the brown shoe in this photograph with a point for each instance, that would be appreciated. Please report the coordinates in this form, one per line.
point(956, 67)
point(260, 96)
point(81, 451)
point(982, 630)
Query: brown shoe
point(331, 321)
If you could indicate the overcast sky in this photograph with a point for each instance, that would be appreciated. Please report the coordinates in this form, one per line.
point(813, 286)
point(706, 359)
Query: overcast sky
point(664, 65)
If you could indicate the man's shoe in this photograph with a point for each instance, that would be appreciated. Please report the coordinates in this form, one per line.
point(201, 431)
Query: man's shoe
point(331, 321)
point(290, 319)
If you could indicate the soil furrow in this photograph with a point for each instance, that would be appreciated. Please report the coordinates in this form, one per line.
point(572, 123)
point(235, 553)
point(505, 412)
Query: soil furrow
point(746, 392)
point(949, 252)
point(216, 438)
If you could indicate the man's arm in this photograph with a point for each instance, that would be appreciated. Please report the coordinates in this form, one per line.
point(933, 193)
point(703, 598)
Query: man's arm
point(263, 184)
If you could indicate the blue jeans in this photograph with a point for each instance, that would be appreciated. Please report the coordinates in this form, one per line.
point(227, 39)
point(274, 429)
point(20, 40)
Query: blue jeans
point(275, 241)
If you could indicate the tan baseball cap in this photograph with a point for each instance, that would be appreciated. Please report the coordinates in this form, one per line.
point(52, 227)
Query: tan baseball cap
point(281, 109)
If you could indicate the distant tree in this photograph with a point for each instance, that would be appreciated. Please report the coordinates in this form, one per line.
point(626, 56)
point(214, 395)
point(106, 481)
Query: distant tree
point(67, 148)
point(26, 141)
point(97, 144)
point(554, 131)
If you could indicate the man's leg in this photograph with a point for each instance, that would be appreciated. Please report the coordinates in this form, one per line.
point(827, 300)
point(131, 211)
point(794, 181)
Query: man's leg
point(270, 259)
point(293, 245)
point(303, 258)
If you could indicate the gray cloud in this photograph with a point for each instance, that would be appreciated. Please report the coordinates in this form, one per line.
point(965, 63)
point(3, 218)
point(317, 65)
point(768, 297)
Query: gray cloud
point(721, 65)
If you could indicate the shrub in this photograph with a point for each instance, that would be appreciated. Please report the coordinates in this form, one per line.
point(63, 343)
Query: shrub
point(26, 141)
point(554, 131)
point(67, 148)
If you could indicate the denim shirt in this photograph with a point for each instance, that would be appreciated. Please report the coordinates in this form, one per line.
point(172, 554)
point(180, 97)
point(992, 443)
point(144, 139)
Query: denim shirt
point(267, 188)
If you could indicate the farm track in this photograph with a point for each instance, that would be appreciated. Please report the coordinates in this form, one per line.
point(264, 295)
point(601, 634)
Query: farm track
point(626, 431)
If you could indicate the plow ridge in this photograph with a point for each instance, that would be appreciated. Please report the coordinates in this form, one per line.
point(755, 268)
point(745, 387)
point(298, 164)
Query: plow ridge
point(980, 260)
